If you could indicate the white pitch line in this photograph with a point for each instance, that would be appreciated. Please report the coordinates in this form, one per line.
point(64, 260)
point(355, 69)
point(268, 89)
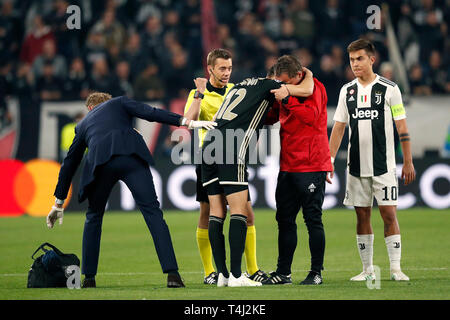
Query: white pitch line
point(199, 272)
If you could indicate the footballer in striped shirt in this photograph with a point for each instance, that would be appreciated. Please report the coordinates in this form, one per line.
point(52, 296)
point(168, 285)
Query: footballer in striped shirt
point(370, 105)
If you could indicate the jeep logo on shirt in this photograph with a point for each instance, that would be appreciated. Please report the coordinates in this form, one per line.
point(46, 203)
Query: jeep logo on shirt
point(365, 114)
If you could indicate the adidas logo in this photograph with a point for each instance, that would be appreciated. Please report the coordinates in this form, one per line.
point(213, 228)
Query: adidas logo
point(311, 187)
point(351, 98)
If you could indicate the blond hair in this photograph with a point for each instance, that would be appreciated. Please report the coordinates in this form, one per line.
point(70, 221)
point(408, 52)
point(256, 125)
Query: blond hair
point(96, 98)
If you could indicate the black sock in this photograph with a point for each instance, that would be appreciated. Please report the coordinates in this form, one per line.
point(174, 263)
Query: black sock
point(174, 272)
point(217, 240)
point(237, 235)
point(89, 276)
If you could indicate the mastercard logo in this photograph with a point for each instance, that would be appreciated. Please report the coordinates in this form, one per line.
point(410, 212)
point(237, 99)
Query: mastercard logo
point(28, 187)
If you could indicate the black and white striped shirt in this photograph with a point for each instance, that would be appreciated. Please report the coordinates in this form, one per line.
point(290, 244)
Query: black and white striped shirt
point(370, 112)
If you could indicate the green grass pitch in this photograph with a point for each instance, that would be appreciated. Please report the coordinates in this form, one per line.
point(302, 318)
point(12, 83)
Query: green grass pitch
point(129, 268)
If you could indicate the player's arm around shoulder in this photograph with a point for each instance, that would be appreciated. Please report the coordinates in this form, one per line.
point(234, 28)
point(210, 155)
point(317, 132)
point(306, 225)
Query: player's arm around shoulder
point(305, 88)
point(193, 104)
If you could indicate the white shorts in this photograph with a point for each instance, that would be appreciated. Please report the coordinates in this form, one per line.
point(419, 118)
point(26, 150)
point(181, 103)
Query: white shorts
point(360, 191)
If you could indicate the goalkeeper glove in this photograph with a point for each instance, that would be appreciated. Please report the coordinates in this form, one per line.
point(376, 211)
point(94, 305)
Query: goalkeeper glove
point(193, 124)
point(55, 213)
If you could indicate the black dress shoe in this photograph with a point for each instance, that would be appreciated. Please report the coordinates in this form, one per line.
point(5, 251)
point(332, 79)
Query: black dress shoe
point(88, 283)
point(174, 281)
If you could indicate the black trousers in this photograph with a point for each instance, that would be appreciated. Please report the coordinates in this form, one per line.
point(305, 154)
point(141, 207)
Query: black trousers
point(135, 173)
point(295, 191)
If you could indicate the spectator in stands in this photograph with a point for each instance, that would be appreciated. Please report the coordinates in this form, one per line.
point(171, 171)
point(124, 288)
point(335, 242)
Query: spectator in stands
point(225, 39)
point(10, 31)
point(190, 16)
point(378, 37)
point(49, 86)
point(49, 55)
point(172, 22)
point(307, 60)
point(418, 82)
point(95, 49)
point(122, 85)
point(437, 73)
point(111, 30)
point(76, 86)
point(152, 38)
point(387, 70)
point(148, 85)
point(331, 25)
point(247, 37)
point(162, 32)
point(100, 78)
point(287, 42)
point(146, 9)
point(34, 41)
point(179, 74)
point(337, 56)
point(134, 55)
point(273, 12)
point(428, 20)
point(66, 39)
point(330, 78)
point(114, 55)
point(304, 21)
point(171, 44)
point(23, 80)
point(268, 46)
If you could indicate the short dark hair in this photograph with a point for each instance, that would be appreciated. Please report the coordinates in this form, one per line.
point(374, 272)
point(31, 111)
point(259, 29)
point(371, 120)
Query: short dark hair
point(216, 54)
point(362, 44)
point(288, 64)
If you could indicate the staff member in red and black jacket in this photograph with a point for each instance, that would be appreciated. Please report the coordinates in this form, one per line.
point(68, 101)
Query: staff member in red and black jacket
point(304, 163)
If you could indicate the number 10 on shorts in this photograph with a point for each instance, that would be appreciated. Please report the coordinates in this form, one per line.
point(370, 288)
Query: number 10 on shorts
point(390, 192)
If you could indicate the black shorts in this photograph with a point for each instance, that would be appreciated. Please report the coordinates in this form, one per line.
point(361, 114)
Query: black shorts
point(202, 195)
point(224, 178)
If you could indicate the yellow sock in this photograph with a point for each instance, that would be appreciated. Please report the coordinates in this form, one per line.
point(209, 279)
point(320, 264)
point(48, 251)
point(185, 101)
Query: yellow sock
point(204, 248)
point(250, 250)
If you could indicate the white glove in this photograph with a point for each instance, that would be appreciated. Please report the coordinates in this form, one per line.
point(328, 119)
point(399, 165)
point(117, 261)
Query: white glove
point(201, 124)
point(55, 213)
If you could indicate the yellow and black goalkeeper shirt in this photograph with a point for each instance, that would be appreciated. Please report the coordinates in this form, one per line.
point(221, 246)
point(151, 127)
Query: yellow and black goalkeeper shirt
point(210, 104)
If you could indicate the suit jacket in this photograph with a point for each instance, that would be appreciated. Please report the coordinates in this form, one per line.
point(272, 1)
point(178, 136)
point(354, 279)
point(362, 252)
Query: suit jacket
point(107, 130)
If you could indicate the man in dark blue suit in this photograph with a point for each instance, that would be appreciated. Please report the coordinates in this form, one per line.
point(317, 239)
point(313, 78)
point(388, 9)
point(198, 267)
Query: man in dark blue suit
point(116, 152)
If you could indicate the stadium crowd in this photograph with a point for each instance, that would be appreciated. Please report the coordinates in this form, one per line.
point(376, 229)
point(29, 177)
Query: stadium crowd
point(151, 50)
